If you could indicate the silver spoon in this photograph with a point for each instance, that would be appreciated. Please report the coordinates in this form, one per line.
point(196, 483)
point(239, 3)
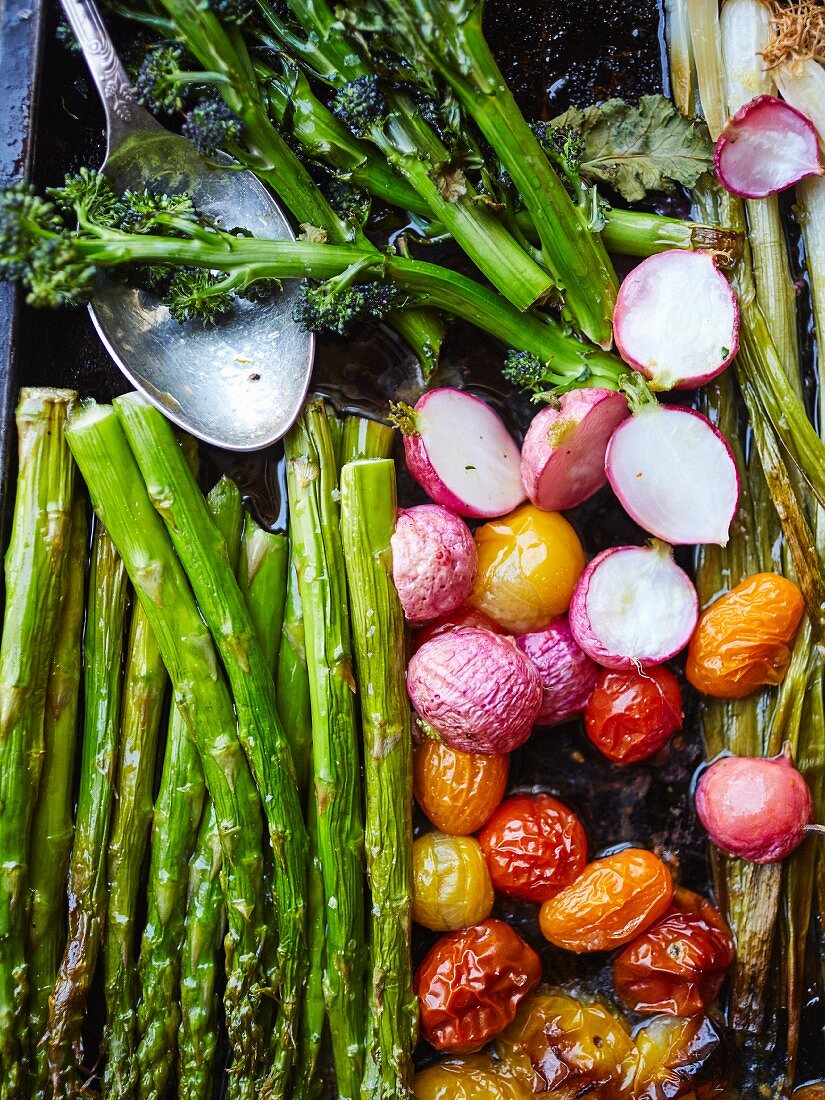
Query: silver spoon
point(241, 383)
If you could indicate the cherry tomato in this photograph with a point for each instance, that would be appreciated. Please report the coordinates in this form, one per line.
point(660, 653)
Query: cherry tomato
point(458, 791)
point(678, 1057)
point(535, 846)
point(678, 965)
point(466, 616)
point(744, 640)
point(612, 901)
point(632, 714)
point(467, 1077)
point(451, 883)
point(470, 985)
point(528, 565)
point(565, 1046)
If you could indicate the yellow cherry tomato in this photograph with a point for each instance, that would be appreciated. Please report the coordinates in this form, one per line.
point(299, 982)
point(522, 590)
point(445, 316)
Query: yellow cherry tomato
point(528, 565)
point(451, 884)
point(468, 1077)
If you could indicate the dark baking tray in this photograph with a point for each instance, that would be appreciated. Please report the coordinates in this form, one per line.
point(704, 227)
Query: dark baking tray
point(568, 52)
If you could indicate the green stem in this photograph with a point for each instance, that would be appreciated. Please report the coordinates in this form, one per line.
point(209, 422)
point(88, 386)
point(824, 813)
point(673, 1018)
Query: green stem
point(103, 654)
point(262, 576)
point(635, 233)
point(365, 438)
point(292, 684)
point(368, 513)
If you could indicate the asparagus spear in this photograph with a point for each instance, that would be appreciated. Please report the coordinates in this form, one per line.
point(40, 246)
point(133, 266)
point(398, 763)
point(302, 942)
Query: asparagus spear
point(292, 682)
point(364, 438)
point(53, 827)
point(177, 814)
point(40, 534)
point(103, 653)
point(175, 496)
point(120, 497)
point(312, 480)
point(263, 579)
point(368, 511)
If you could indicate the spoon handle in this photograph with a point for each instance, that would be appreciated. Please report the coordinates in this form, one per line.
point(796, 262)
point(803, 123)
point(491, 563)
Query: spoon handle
point(123, 113)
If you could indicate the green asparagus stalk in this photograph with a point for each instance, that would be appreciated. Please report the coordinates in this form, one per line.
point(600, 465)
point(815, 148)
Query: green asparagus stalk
point(175, 496)
point(103, 654)
point(33, 576)
point(175, 830)
point(121, 499)
point(312, 480)
point(368, 511)
point(364, 438)
point(262, 576)
point(292, 682)
point(52, 828)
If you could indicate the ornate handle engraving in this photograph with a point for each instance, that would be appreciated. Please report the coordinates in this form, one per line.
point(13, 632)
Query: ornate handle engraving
point(104, 64)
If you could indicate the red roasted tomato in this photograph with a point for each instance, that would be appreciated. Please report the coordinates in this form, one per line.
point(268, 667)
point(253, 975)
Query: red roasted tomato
point(535, 846)
point(678, 964)
point(631, 714)
point(470, 985)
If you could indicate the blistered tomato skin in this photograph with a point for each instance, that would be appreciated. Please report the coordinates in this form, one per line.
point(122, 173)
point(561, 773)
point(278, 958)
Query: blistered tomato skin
point(568, 675)
point(613, 900)
point(451, 883)
point(528, 565)
point(471, 983)
point(631, 715)
point(744, 640)
point(458, 791)
point(679, 964)
point(678, 1057)
point(535, 846)
point(466, 1077)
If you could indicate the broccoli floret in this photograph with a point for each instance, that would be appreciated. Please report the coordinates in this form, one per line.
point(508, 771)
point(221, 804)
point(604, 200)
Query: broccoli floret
point(160, 81)
point(349, 202)
point(360, 104)
point(524, 369)
point(57, 276)
point(89, 196)
point(210, 124)
point(563, 143)
point(147, 212)
point(326, 307)
point(195, 294)
point(25, 218)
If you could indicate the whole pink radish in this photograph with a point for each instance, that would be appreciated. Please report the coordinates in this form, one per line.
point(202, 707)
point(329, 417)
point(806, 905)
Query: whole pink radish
point(476, 689)
point(754, 808)
point(766, 147)
point(674, 474)
point(568, 675)
point(461, 454)
point(633, 607)
point(676, 319)
point(562, 459)
point(434, 561)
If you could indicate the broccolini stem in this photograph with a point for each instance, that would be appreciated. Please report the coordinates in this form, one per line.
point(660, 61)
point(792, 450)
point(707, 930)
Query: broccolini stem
point(368, 513)
point(103, 652)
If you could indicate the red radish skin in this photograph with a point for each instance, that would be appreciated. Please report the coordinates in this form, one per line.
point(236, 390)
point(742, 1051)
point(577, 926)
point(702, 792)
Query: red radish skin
point(766, 147)
point(476, 689)
point(434, 561)
point(461, 454)
point(633, 607)
point(562, 459)
point(675, 475)
point(677, 320)
point(754, 808)
point(466, 616)
point(568, 675)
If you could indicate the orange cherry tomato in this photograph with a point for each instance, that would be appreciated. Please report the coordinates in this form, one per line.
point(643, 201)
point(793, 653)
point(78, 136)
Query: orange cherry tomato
point(451, 882)
point(678, 965)
point(528, 565)
point(467, 1077)
point(458, 791)
point(631, 714)
point(535, 846)
point(466, 616)
point(612, 901)
point(744, 640)
point(678, 1057)
point(470, 985)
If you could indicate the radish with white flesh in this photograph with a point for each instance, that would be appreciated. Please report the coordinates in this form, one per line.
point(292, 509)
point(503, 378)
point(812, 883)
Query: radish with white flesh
point(461, 454)
point(434, 561)
point(568, 675)
point(674, 474)
point(633, 607)
point(562, 460)
point(677, 319)
point(766, 147)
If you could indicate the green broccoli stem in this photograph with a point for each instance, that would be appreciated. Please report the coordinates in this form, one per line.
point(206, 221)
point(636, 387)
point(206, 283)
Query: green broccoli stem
point(103, 653)
point(120, 497)
point(635, 233)
point(144, 690)
point(424, 332)
point(176, 497)
point(312, 480)
point(368, 513)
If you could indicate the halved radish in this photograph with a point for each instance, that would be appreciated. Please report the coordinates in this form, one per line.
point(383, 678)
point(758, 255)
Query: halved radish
point(677, 320)
point(633, 607)
point(674, 474)
point(766, 147)
point(461, 454)
point(562, 460)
